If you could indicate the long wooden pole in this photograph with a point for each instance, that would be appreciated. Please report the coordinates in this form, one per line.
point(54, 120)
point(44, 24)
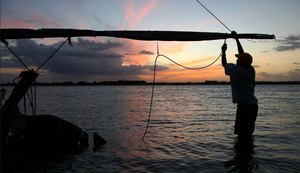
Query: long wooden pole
point(136, 35)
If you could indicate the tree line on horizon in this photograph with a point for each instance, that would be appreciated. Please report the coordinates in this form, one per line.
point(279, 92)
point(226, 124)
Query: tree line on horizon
point(142, 82)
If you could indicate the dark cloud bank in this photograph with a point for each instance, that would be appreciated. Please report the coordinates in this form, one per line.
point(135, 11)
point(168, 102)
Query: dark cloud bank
point(84, 60)
point(291, 42)
point(292, 75)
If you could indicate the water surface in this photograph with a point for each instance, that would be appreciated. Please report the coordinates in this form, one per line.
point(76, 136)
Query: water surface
point(191, 129)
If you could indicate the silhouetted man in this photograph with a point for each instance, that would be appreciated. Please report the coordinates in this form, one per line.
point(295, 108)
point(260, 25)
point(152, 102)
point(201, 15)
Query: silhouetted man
point(242, 79)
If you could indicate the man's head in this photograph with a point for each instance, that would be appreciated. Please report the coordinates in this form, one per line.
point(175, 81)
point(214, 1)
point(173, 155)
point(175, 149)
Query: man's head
point(244, 59)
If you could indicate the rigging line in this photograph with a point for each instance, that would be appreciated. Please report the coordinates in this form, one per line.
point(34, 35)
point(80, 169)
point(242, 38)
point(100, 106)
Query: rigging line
point(52, 55)
point(213, 15)
point(190, 68)
point(0, 69)
point(35, 97)
point(30, 102)
point(24, 102)
point(32, 99)
point(153, 82)
point(16, 55)
point(152, 94)
point(157, 47)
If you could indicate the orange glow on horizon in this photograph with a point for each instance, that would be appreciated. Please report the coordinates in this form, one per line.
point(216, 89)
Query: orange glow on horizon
point(184, 75)
point(9, 70)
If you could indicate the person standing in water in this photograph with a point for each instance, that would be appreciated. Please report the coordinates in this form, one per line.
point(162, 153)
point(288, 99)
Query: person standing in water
point(242, 79)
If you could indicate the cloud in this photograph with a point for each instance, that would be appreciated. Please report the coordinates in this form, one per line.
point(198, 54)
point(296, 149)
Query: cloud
point(16, 23)
point(147, 8)
point(146, 52)
point(291, 42)
point(256, 66)
point(28, 51)
point(46, 22)
point(84, 59)
point(292, 75)
point(101, 23)
point(133, 15)
point(142, 52)
point(129, 10)
point(296, 63)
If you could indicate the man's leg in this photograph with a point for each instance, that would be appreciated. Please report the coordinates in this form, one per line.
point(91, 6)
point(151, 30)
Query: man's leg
point(245, 119)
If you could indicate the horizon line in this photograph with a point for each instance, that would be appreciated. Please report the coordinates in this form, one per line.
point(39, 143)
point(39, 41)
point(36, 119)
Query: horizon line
point(143, 82)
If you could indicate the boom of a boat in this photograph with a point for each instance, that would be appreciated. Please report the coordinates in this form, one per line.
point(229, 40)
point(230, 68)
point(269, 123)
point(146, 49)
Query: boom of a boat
point(11, 33)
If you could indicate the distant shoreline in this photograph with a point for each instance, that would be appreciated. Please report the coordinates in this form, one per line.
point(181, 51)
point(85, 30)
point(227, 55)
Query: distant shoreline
point(135, 82)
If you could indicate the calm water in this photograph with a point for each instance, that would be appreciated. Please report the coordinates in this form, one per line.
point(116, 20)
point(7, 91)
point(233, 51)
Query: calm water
point(191, 129)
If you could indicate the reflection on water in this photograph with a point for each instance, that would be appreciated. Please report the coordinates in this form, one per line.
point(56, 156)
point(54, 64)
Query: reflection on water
point(191, 129)
point(243, 160)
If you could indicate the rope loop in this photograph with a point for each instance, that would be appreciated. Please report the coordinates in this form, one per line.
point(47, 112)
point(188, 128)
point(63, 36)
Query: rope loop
point(154, 76)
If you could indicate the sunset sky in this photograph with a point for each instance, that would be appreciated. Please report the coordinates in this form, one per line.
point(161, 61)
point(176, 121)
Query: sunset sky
point(103, 58)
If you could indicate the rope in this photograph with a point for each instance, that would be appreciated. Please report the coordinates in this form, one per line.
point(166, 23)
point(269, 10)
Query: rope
point(15, 55)
point(35, 98)
point(32, 96)
point(24, 102)
point(68, 39)
point(213, 15)
point(154, 76)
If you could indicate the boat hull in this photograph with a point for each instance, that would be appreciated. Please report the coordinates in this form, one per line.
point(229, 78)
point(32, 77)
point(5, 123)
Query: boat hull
point(46, 133)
